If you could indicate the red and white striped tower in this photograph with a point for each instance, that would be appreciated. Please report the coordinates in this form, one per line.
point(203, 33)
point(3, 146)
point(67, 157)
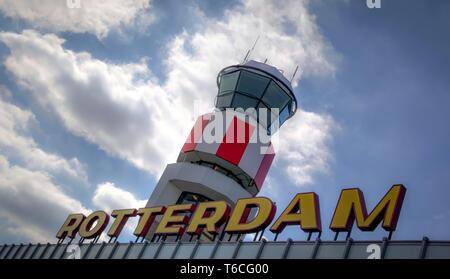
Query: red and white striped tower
point(228, 153)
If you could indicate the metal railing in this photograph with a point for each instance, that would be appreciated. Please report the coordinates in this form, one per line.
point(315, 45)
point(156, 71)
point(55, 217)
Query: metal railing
point(349, 249)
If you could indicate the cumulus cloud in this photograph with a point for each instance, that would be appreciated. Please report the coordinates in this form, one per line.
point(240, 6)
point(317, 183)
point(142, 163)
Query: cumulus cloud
point(304, 146)
point(108, 197)
point(16, 143)
point(118, 107)
point(97, 17)
point(31, 205)
point(128, 113)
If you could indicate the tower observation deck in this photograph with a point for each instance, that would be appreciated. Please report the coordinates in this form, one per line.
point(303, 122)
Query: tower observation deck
point(256, 85)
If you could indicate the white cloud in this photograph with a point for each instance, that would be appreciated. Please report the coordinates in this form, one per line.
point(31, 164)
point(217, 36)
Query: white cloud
point(16, 143)
point(118, 107)
point(31, 205)
point(128, 113)
point(108, 197)
point(97, 17)
point(304, 146)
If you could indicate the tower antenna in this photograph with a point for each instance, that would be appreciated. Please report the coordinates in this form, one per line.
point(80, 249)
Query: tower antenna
point(295, 72)
point(250, 50)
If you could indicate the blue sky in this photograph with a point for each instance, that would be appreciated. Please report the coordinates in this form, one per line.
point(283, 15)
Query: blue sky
point(90, 122)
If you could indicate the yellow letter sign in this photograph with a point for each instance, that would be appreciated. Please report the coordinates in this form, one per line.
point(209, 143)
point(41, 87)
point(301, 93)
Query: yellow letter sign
point(351, 206)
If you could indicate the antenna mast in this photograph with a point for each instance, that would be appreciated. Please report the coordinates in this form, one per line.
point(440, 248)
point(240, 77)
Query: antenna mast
point(250, 50)
point(295, 72)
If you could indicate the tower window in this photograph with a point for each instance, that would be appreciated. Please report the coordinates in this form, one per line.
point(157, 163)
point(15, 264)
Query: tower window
point(191, 198)
point(244, 102)
point(284, 114)
point(252, 84)
point(228, 82)
point(275, 96)
point(224, 101)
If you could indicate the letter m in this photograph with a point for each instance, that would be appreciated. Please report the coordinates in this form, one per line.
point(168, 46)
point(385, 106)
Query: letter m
point(351, 206)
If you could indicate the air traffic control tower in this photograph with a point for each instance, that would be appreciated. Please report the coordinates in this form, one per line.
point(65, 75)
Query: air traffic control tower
point(228, 152)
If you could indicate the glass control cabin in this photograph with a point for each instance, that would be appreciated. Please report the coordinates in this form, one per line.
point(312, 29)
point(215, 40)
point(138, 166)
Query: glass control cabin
point(256, 85)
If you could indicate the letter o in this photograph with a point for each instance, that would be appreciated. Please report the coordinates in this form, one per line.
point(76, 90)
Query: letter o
point(86, 229)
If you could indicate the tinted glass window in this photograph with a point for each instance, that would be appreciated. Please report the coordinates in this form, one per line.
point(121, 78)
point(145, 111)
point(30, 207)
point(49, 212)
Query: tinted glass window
point(244, 102)
point(228, 82)
point(252, 84)
point(224, 101)
point(275, 96)
point(263, 115)
point(191, 198)
point(284, 114)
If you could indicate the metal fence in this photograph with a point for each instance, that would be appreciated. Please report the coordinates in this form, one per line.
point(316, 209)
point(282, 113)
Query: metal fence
point(385, 249)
